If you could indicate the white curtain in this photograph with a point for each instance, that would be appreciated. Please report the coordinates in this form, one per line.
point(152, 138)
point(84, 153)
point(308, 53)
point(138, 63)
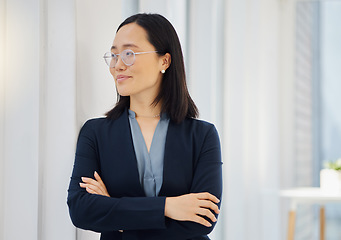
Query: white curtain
point(54, 78)
point(37, 117)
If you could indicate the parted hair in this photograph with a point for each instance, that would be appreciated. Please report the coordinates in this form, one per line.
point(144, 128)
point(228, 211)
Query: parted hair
point(176, 101)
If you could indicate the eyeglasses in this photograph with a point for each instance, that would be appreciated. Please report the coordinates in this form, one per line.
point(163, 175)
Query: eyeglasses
point(127, 57)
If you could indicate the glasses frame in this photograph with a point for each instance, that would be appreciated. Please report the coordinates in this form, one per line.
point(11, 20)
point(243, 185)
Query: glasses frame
point(115, 56)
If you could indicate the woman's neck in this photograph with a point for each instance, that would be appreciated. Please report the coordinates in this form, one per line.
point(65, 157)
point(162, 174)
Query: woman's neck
point(145, 108)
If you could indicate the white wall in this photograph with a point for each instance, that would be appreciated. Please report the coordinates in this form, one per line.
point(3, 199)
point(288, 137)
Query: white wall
point(38, 96)
point(251, 118)
point(287, 104)
point(57, 117)
point(21, 117)
point(2, 109)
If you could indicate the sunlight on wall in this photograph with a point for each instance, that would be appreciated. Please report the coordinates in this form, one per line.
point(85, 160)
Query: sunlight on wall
point(2, 109)
point(21, 101)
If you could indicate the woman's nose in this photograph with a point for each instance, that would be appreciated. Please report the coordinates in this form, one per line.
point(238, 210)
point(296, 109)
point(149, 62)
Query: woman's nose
point(120, 64)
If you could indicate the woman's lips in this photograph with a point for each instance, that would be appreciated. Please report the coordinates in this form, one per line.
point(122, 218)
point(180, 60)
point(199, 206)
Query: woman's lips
point(121, 78)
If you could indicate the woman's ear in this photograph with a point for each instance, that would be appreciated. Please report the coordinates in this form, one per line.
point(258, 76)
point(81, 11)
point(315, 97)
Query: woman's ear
point(165, 61)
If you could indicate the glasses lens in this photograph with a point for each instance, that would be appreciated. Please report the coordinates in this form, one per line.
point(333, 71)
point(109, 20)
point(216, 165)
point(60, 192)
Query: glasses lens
point(128, 57)
point(110, 59)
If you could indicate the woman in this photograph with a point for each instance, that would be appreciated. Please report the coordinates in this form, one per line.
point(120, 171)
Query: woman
point(149, 170)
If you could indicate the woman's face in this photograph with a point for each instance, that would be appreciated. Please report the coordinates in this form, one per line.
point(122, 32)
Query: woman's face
point(143, 78)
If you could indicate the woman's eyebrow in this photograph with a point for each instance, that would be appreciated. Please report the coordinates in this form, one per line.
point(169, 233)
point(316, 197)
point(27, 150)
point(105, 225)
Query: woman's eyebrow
point(125, 46)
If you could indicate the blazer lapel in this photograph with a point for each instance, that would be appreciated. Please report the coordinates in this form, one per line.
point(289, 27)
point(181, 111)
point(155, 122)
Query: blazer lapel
point(123, 143)
point(177, 167)
point(172, 148)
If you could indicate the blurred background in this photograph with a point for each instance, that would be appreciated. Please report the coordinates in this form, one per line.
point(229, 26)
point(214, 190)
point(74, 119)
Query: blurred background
point(265, 72)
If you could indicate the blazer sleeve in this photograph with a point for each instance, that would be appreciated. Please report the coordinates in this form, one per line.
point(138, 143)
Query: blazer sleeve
point(99, 213)
point(207, 178)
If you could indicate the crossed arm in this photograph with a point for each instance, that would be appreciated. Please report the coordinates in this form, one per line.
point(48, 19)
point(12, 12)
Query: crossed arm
point(188, 207)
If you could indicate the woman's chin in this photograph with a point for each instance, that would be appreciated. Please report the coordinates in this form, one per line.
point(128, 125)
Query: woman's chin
point(123, 93)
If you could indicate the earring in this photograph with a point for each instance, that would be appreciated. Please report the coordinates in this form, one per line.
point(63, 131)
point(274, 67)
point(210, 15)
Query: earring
point(163, 71)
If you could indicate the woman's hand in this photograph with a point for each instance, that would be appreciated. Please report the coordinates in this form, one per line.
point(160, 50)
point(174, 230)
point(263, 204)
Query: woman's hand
point(94, 186)
point(192, 207)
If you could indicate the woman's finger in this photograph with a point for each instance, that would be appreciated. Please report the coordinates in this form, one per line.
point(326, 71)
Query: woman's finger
point(207, 213)
point(201, 221)
point(96, 185)
point(88, 180)
point(98, 178)
point(210, 205)
point(94, 189)
point(101, 183)
point(208, 196)
point(89, 190)
point(93, 182)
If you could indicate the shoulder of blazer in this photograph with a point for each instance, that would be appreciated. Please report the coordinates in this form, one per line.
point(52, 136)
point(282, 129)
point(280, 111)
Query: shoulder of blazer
point(198, 123)
point(103, 123)
point(192, 133)
point(193, 126)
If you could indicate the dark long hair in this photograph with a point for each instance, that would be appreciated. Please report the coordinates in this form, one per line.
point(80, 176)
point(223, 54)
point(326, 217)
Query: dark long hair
point(176, 101)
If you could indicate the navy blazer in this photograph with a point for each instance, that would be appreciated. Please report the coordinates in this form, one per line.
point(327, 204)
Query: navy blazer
point(192, 164)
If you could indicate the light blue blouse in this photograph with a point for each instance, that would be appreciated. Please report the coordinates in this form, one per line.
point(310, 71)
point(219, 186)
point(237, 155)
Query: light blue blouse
point(150, 164)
